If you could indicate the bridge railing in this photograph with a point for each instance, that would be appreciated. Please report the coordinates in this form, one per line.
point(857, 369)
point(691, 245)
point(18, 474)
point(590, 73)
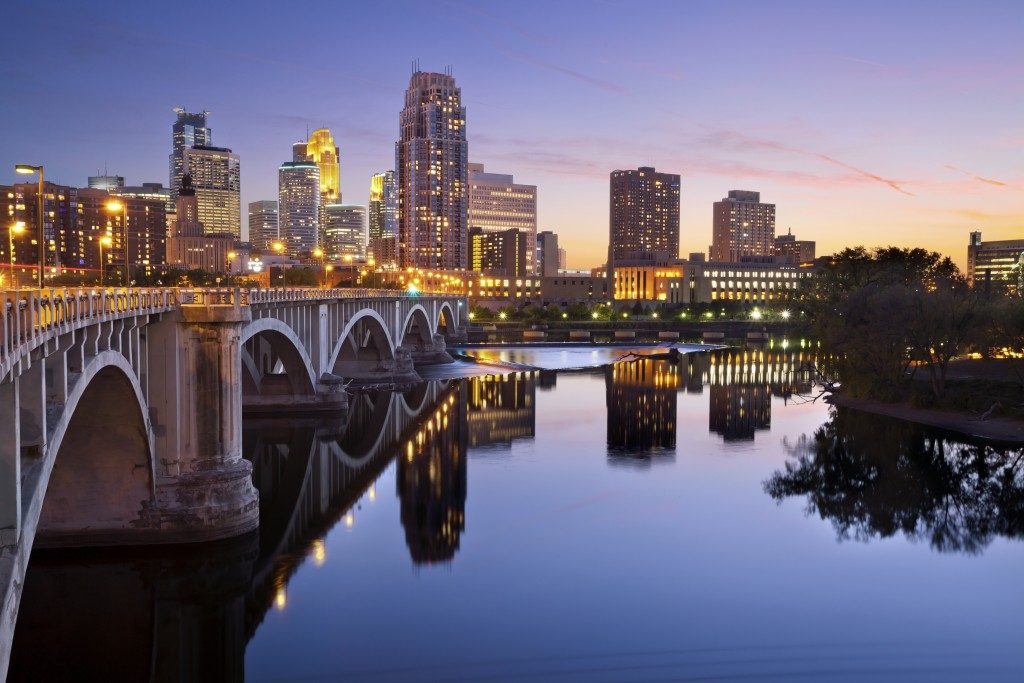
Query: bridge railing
point(30, 314)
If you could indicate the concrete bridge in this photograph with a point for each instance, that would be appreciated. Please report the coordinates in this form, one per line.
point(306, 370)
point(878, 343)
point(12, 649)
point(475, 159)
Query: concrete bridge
point(120, 410)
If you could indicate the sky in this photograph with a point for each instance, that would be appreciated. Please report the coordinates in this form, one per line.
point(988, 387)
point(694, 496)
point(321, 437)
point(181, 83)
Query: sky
point(867, 123)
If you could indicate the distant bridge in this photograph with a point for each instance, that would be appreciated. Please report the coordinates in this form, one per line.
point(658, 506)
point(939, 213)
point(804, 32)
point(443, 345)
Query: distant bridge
point(120, 410)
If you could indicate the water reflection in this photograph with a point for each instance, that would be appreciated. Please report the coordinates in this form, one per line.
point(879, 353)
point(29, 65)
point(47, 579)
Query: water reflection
point(501, 408)
point(640, 396)
point(874, 477)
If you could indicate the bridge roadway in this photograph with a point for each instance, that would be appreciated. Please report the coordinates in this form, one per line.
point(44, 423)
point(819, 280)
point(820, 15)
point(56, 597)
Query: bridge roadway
point(120, 409)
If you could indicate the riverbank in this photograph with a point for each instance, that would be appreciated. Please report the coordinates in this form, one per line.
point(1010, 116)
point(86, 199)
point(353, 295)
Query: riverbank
point(1001, 429)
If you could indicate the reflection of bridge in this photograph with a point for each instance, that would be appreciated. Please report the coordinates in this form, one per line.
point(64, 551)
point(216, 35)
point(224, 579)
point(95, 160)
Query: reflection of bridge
point(123, 407)
point(310, 473)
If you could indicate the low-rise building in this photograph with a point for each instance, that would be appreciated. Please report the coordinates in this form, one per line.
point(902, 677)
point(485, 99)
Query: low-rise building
point(994, 261)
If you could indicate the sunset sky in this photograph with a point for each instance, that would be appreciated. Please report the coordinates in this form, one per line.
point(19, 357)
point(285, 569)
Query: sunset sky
point(869, 123)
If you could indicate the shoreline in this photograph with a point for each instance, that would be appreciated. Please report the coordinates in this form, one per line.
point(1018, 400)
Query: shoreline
point(997, 429)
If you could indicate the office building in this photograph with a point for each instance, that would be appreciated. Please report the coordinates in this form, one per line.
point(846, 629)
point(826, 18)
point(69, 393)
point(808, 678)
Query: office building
point(110, 183)
point(548, 255)
point(643, 214)
point(499, 253)
point(321, 150)
point(793, 250)
point(298, 184)
point(189, 130)
point(742, 226)
point(216, 178)
point(383, 218)
point(155, 191)
point(191, 245)
point(497, 203)
point(263, 224)
point(344, 232)
point(431, 160)
point(997, 261)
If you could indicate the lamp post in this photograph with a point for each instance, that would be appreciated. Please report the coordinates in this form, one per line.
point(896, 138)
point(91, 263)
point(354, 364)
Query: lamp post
point(231, 260)
point(104, 241)
point(318, 254)
point(29, 169)
point(15, 229)
point(115, 206)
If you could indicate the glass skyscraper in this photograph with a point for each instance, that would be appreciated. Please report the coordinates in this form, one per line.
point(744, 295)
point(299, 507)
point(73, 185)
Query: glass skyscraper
point(298, 184)
point(189, 129)
point(216, 177)
point(263, 224)
point(431, 159)
point(344, 231)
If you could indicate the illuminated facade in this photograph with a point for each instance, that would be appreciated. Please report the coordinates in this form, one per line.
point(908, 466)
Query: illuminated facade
point(321, 150)
point(996, 261)
point(298, 184)
point(188, 130)
point(640, 398)
point(643, 215)
point(216, 177)
point(191, 245)
point(110, 183)
point(344, 231)
point(497, 204)
point(793, 250)
point(742, 226)
point(263, 224)
point(431, 160)
point(498, 253)
point(677, 281)
point(383, 218)
point(501, 409)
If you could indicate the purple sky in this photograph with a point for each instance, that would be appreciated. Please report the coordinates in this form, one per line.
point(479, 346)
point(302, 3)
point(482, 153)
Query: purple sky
point(865, 123)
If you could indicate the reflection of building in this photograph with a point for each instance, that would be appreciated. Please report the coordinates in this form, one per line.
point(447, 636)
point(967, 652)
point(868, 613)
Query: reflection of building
point(431, 482)
point(498, 253)
point(743, 226)
point(501, 409)
point(995, 260)
point(738, 411)
point(641, 403)
point(498, 204)
point(431, 159)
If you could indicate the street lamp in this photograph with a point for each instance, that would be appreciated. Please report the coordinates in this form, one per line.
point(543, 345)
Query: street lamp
point(29, 169)
point(231, 260)
point(115, 206)
point(104, 241)
point(318, 253)
point(14, 229)
point(277, 246)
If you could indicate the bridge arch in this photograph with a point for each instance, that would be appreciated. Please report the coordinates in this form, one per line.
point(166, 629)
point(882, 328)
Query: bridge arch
point(417, 329)
point(274, 360)
point(364, 348)
point(99, 473)
point(445, 323)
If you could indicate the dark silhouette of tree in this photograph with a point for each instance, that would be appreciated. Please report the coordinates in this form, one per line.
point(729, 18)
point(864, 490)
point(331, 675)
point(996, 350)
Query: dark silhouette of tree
point(877, 477)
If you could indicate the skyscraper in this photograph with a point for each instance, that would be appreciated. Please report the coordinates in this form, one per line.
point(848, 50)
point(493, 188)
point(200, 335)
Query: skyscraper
point(263, 224)
point(431, 159)
point(644, 214)
point(106, 182)
point(344, 231)
point(498, 253)
point(216, 177)
point(321, 150)
point(548, 260)
point(190, 243)
point(298, 185)
point(383, 218)
point(188, 130)
point(743, 226)
point(497, 203)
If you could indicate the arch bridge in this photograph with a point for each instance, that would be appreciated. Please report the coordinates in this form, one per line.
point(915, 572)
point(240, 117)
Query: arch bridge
point(121, 409)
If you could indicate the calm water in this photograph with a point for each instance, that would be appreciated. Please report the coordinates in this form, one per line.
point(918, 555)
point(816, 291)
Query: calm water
point(636, 522)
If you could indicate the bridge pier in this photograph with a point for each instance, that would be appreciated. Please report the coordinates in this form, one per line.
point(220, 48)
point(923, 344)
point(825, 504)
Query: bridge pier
point(10, 464)
point(432, 353)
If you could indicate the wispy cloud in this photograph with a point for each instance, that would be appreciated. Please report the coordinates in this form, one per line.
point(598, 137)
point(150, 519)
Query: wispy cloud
point(866, 62)
point(982, 179)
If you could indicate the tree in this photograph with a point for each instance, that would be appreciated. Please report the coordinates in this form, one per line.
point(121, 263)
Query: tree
point(302, 277)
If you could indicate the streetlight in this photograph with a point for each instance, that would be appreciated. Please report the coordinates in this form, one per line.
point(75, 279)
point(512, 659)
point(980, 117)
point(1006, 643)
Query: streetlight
point(104, 241)
point(29, 169)
point(15, 229)
point(277, 246)
point(231, 260)
point(327, 269)
point(318, 253)
point(115, 206)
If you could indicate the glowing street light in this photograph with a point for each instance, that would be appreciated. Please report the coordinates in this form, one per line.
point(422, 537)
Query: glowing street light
point(29, 169)
point(277, 246)
point(785, 315)
point(104, 241)
point(15, 229)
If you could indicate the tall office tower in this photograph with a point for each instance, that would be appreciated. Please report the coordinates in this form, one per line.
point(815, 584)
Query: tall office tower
point(344, 231)
point(321, 150)
point(644, 215)
point(298, 187)
point(106, 182)
point(383, 218)
point(431, 159)
point(547, 261)
point(497, 203)
point(300, 151)
point(743, 226)
point(498, 253)
point(216, 177)
point(188, 130)
point(995, 260)
point(263, 224)
point(793, 250)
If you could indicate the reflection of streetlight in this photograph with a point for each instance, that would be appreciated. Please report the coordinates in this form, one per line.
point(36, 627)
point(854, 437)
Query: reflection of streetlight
point(29, 169)
point(15, 229)
point(104, 241)
point(115, 206)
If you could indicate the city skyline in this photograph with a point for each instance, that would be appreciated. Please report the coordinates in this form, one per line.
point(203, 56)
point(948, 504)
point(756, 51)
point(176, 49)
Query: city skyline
point(910, 138)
